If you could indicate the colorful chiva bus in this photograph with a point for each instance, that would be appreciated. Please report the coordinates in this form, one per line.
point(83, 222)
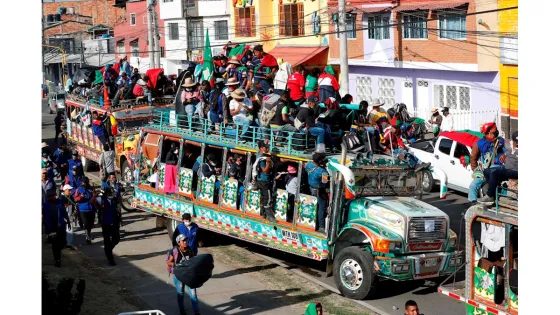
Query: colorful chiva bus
point(123, 125)
point(375, 227)
point(490, 284)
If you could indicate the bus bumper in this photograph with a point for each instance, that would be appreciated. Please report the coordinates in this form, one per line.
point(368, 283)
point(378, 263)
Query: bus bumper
point(419, 266)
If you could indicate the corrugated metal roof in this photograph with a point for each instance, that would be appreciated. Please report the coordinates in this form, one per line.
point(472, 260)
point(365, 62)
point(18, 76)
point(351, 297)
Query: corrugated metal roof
point(376, 9)
point(433, 5)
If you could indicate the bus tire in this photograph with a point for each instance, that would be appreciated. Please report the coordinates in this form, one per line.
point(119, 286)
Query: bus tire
point(171, 226)
point(353, 273)
point(126, 172)
point(427, 182)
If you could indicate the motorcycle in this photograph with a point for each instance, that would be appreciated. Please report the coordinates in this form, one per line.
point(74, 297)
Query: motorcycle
point(127, 197)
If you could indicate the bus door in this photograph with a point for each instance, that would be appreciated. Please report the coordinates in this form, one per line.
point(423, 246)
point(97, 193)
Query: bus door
point(148, 160)
point(209, 182)
point(306, 206)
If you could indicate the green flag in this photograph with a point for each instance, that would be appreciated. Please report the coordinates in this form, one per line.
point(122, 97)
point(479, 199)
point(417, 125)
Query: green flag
point(207, 68)
point(236, 51)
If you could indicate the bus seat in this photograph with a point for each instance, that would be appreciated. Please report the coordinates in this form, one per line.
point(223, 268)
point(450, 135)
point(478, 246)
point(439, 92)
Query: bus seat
point(281, 208)
point(229, 193)
point(161, 176)
point(252, 204)
point(307, 211)
point(208, 185)
point(185, 181)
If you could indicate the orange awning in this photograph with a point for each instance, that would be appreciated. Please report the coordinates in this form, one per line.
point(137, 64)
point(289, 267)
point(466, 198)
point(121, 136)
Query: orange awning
point(296, 55)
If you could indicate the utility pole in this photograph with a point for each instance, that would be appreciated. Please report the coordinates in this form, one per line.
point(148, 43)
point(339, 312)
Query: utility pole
point(107, 15)
point(157, 50)
point(150, 35)
point(187, 27)
point(342, 38)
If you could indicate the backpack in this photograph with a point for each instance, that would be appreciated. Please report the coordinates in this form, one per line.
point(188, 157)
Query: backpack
point(268, 110)
point(298, 123)
point(216, 101)
point(195, 271)
point(175, 254)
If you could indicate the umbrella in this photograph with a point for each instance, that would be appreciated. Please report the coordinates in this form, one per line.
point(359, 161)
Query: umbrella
point(467, 138)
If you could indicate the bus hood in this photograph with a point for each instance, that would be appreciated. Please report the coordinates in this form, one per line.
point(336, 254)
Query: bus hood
point(405, 206)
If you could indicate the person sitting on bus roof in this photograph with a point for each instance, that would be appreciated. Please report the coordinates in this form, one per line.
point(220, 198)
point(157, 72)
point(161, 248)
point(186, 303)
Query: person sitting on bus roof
point(141, 90)
point(307, 121)
point(328, 84)
point(134, 77)
point(311, 83)
point(191, 99)
point(265, 67)
point(296, 85)
point(240, 108)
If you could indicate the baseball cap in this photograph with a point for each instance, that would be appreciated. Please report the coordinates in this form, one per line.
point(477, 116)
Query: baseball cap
point(74, 152)
point(312, 98)
point(180, 237)
point(66, 187)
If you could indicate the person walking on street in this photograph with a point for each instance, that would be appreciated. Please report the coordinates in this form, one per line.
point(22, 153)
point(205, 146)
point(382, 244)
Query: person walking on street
point(318, 179)
point(69, 205)
point(411, 308)
point(85, 197)
point(75, 161)
point(58, 120)
point(110, 218)
point(190, 230)
point(262, 170)
point(56, 220)
point(47, 185)
point(178, 254)
point(106, 162)
point(447, 121)
point(61, 161)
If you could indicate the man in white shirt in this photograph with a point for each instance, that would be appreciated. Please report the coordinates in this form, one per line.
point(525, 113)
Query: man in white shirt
point(447, 123)
point(240, 109)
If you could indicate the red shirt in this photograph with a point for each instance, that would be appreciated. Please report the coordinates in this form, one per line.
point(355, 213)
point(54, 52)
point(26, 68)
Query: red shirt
point(138, 90)
point(296, 83)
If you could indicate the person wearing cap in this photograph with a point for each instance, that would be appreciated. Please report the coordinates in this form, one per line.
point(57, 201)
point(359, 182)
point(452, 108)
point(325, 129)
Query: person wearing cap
point(177, 255)
point(110, 217)
point(77, 162)
point(291, 184)
point(56, 221)
point(73, 179)
point(376, 114)
point(236, 71)
point(61, 161)
point(318, 180)
point(498, 175)
point(265, 67)
point(190, 230)
point(47, 185)
point(66, 199)
point(307, 121)
point(134, 77)
point(487, 154)
point(85, 197)
point(240, 108)
point(262, 177)
point(447, 122)
point(191, 99)
point(231, 85)
point(435, 121)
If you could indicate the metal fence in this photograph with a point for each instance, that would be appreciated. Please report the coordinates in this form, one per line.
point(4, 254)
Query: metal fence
point(462, 119)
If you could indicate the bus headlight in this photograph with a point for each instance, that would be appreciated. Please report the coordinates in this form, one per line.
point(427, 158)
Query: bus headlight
point(455, 261)
point(400, 268)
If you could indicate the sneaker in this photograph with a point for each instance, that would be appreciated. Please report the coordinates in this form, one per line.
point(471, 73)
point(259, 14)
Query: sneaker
point(112, 262)
point(486, 200)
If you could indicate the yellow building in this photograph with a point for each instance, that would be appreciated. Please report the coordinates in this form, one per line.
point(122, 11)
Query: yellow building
point(285, 28)
point(508, 24)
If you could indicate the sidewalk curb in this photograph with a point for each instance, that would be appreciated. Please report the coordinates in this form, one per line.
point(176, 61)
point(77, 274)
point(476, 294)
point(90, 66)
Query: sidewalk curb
point(324, 285)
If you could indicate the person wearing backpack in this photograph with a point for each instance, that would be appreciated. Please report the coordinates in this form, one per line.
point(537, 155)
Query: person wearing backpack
point(318, 179)
point(216, 113)
point(174, 257)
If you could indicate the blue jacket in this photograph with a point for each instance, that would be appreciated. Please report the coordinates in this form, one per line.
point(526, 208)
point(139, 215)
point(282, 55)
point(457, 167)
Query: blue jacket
point(109, 212)
point(487, 148)
point(54, 215)
point(83, 204)
point(78, 163)
point(317, 176)
point(191, 234)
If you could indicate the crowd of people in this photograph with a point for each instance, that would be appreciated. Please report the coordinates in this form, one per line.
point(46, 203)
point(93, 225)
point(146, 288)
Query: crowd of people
point(69, 201)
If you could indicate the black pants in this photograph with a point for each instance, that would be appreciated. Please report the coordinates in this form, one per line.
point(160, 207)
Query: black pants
point(497, 176)
point(266, 198)
point(58, 243)
point(322, 200)
point(57, 132)
point(88, 218)
point(111, 237)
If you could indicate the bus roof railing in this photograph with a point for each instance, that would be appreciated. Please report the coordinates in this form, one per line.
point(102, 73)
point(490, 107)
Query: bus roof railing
point(506, 201)
point(123, 104)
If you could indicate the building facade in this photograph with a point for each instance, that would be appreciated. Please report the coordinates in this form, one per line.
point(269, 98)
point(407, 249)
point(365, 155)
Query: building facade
point(424, 54)
point(291, 30)
point(131, 36)
point(508, 66)
point(98, 11)
point(183, 45)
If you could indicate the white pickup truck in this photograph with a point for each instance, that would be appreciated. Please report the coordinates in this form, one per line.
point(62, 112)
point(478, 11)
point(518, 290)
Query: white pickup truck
point(445, 156)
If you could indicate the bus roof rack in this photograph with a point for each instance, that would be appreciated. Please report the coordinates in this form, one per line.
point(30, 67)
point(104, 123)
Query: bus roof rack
point(123, 104)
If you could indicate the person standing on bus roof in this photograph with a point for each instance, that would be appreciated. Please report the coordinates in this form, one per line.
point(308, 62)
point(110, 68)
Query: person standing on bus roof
point(190, 230)
point(77, 162)
point(318, 179)
point(263, 169)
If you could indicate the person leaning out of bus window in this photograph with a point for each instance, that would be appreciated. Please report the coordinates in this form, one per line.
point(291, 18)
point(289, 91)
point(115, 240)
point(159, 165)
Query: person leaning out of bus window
point(318, 179)
point(97, 122)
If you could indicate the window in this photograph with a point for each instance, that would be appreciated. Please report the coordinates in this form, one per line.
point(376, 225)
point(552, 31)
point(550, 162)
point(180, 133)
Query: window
point(132, 19)
point(196, 35)
point(350, 26)
point(454, 97)
point(245, 22)
point(134, 48)
point(378, 27)
point(292, 21)
point(460, 150)
point(120, 48)
point(162, 52)
point(452, 26)
point(221, 30)
point(415, 25)
point(173, 31)
point(445, 146)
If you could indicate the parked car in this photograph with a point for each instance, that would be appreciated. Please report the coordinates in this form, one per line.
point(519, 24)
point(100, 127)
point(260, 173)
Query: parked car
point(56, 102)
point(445, 155)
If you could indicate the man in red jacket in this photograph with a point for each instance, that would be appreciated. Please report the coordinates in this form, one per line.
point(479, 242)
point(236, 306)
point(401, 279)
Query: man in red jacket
point(296, 84)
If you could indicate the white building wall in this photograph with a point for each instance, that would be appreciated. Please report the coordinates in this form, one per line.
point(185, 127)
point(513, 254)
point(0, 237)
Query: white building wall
point(209, 8)
point(171, 9)
point(176, 49)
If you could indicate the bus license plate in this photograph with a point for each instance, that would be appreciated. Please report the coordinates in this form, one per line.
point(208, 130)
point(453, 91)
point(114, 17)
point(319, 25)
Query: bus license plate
point(430, 262)
point(291, 236)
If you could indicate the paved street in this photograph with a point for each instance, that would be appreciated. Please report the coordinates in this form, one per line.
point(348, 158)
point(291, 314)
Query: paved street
point(141, 252)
